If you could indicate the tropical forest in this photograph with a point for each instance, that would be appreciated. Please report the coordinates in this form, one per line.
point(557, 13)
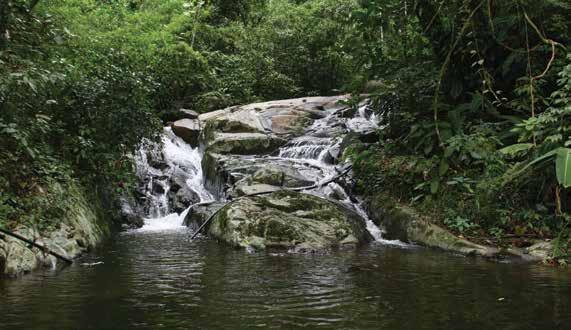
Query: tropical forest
point(337, 164)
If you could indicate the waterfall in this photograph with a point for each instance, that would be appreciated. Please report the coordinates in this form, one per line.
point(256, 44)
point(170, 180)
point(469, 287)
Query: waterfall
point(315, 149)
point(170, 172)
point(160, 166)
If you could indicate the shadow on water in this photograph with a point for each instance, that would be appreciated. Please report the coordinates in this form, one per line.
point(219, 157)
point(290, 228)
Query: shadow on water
point(164, 280)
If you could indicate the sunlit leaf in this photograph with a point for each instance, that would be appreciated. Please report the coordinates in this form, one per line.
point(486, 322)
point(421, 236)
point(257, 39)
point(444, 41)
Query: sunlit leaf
point(563, 167)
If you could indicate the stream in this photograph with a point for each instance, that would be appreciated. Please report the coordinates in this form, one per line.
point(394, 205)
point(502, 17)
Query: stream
point(157, 277)
point(161, 279)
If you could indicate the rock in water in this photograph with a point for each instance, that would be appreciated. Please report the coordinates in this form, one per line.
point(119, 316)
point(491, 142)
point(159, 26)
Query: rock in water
point(288, 220)
point(201, 212)
point(188, 130)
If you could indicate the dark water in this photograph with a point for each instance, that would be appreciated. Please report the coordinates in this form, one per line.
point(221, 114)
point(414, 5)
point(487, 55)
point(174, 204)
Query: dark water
point(164, 280)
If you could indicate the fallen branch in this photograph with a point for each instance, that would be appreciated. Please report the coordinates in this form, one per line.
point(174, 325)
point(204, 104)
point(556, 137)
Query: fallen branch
point(317, 185)
point(41, 247)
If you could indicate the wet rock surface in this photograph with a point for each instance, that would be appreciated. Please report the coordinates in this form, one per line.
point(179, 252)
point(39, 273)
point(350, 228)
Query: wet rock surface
point(287, 220)
point(77, 231)
point(188, 130)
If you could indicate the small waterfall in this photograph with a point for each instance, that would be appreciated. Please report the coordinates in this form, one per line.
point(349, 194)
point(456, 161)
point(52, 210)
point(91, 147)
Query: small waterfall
point(320, 147)
point(169, 172)
point(365, 120)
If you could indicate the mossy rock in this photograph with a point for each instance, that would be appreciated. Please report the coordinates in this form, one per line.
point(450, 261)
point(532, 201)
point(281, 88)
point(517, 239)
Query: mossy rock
point(280, 176)
point(244, 143)
point(78, 230)
point(404, 223)
point(288, 220)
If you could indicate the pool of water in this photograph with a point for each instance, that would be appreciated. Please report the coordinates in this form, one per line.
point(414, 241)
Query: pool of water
point(165, 280)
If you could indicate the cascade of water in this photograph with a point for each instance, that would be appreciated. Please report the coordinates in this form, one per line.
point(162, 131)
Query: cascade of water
point(162, 166)
point(318, 150)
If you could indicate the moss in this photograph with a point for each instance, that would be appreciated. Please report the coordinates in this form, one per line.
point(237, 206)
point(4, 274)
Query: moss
point(286, 219)
point(77, 227)
point(244, 144)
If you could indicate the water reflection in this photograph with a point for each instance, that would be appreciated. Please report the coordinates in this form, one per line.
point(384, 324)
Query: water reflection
point(164, 280)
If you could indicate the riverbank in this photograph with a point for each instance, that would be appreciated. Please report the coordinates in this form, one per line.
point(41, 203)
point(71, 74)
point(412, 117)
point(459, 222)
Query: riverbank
point(76, 228)
point(452, 220)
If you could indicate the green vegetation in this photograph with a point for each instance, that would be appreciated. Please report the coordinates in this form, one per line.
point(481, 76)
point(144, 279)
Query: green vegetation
point(478, 120)
point(473, 94)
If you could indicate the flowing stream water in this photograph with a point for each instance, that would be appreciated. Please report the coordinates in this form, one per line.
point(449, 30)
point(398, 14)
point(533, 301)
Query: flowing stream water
point(157, 277)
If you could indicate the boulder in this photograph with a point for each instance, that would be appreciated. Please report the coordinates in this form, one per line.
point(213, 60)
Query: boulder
point(188, 130)
point(130, 216)
point(288, 220)
point(221, 172)
point(178, 114)
point(252, 189)
point(201, 212)
point(284, 117)
point(181, 199)
point(280, 176)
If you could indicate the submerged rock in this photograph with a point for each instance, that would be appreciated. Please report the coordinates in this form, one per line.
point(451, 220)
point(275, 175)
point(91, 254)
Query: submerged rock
point(288, 220)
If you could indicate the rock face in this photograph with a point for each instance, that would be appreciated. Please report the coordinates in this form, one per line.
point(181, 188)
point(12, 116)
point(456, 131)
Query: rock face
point(78, 231)
point(243, 143)
point(404, 223)
point(262, 127)
point(188, 130)
point(287, 220)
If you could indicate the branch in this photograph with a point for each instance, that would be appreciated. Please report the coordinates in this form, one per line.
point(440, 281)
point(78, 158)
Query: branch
point(41, 247)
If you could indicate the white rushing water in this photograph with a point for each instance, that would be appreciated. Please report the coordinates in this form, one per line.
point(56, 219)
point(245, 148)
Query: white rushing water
point(317, 150)
point(156, 165)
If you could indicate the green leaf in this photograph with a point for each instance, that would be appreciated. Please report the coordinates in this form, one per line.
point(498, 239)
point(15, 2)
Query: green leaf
point(516, 149)
point(434, 185)
point(563, 167)
point(443, 167)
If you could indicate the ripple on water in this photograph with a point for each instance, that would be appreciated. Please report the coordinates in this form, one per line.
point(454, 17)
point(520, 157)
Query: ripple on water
point(165, 280)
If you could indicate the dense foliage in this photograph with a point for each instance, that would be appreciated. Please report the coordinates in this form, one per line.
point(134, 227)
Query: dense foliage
point(473, 94)
point(83, 81)
point(478, 120)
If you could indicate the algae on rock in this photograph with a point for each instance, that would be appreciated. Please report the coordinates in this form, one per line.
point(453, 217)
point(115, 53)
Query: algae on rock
point(77, 231)
point(290, 220)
